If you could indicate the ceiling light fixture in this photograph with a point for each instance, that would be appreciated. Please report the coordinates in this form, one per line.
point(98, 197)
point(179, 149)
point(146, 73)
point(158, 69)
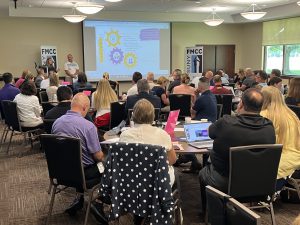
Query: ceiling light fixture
point(89, 8)
point(298, 3)
point(212, 20)
point(113, 0)
point(73, 18)
point(253, 15)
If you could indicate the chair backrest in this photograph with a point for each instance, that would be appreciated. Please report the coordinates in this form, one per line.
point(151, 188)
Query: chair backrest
point(237, 214)
point(46, 107)
point(43, 96)
point(137, 181)
point(225, 210)
point(117, 113)
point(219, 111)
point(295, 109)
point(253, 171)
point(216, 200)
point(63, 155)
point(48, 125)
point(156, 114)
point(11, 114)
point(226, 101)
point(182, 102)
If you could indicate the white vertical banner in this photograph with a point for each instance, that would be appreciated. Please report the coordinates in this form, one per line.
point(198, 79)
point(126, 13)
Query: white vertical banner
point(49, 51)
point(194, 60)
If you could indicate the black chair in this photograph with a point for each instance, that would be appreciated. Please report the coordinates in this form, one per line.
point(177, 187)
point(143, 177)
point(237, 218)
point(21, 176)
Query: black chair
point(226, 101)
point(43, 96)
point(63, 155)
point(293, 184)
point(295, 109)
point(225, 210)
point(117, 113)
point(182, 102)
point(219, 111)
point(38, 90)
point(46, 107)
point(253, 173)
point(136, 177)
point(13, 123)
point(48, 125)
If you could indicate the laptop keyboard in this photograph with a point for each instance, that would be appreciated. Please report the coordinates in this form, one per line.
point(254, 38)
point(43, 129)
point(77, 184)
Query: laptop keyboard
point(202, 144)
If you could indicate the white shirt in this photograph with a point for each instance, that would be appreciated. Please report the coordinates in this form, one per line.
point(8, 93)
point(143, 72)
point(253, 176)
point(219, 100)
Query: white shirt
point(195, 81)
point(29, 110)
point(133, 90)
point(71, 67)
point(147, 134)
point(45, 83)
point(52, 93)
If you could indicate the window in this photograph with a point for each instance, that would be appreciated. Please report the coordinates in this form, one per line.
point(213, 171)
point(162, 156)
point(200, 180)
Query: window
point(273, 57)
point(291, 60)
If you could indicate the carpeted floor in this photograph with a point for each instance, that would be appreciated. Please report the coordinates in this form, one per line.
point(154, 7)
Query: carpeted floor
point(24, 199)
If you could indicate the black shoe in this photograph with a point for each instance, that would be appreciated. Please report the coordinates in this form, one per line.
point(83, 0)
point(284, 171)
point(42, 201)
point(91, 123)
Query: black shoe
point(97, 211)
point(190, 170)
point(75, 206)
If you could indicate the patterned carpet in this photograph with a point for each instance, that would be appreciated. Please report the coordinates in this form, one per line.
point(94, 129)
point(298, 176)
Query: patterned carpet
point(24, 199)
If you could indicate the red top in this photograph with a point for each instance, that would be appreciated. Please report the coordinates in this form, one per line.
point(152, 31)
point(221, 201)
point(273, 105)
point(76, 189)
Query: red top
point(219, 90)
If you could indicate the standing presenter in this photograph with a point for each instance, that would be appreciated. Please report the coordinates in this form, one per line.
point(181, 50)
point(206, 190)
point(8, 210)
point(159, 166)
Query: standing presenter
point(71, 69)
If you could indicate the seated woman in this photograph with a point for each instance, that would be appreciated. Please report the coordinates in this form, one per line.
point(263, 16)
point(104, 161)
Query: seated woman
point(22, 78)
point(52, 89)
point(28, 106)
point(293, 95)
point(101, 99)
point(160, 91)
point(276, 82)
point(143, 132)
point(184, 88)
point(81, 82)
point(287, 131)
point(112, 83)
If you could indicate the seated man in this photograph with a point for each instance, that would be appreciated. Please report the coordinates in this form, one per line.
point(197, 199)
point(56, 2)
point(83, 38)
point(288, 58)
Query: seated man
point(218, 89)
point(73, 124)
point(9, 91)
point(261, 78)
point(247, 128)
point(143, 92)
point(64, 98)
point(135, 78)
point(176, 76)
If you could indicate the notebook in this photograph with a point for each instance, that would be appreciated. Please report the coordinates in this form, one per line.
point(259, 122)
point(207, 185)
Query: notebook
point(197, 135)
point(171, 123)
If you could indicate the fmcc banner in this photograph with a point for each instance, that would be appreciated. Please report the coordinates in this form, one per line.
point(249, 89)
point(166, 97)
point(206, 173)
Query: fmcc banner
point(49, 51)
point(194, 60)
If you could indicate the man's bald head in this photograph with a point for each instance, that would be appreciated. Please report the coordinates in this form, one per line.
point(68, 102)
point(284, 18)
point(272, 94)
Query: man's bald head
point(81, 104)
point(252, 100)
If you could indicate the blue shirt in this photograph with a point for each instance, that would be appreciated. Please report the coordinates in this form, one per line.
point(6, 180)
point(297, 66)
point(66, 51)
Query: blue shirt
point(72, 124)
point(8, 92)
point(206, 107)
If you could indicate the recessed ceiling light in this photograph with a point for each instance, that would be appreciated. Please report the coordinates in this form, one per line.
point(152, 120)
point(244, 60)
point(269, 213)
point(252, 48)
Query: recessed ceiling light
point(298, 3)
point(197, 2)
point(113, 0)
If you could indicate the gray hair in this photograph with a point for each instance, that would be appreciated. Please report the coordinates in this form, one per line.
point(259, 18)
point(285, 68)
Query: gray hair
point(143, 86)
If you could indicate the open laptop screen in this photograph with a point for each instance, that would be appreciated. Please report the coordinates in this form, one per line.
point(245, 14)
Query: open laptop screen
point(196, 131)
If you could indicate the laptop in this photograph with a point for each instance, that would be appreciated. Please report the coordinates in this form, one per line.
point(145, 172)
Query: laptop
point(197, 135)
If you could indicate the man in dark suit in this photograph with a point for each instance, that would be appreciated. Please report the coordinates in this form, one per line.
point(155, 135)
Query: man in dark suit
point(143, 92)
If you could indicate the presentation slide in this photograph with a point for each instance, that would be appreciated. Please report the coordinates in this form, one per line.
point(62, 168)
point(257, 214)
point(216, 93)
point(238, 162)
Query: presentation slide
point(121, 48)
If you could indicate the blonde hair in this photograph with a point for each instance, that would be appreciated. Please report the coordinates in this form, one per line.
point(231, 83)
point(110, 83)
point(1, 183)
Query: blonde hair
point(161, 80)
point(29, 76)
point(105, 75)
point(275, 109)
point(294, 88)
point(185, 78)
point(143, 112)
point(104, 95)
point(297, 220)
point(53, 80)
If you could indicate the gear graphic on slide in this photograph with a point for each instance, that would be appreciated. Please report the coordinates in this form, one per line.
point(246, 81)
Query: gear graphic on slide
point(130, 60)
point(113, 38)
point(116, 56)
